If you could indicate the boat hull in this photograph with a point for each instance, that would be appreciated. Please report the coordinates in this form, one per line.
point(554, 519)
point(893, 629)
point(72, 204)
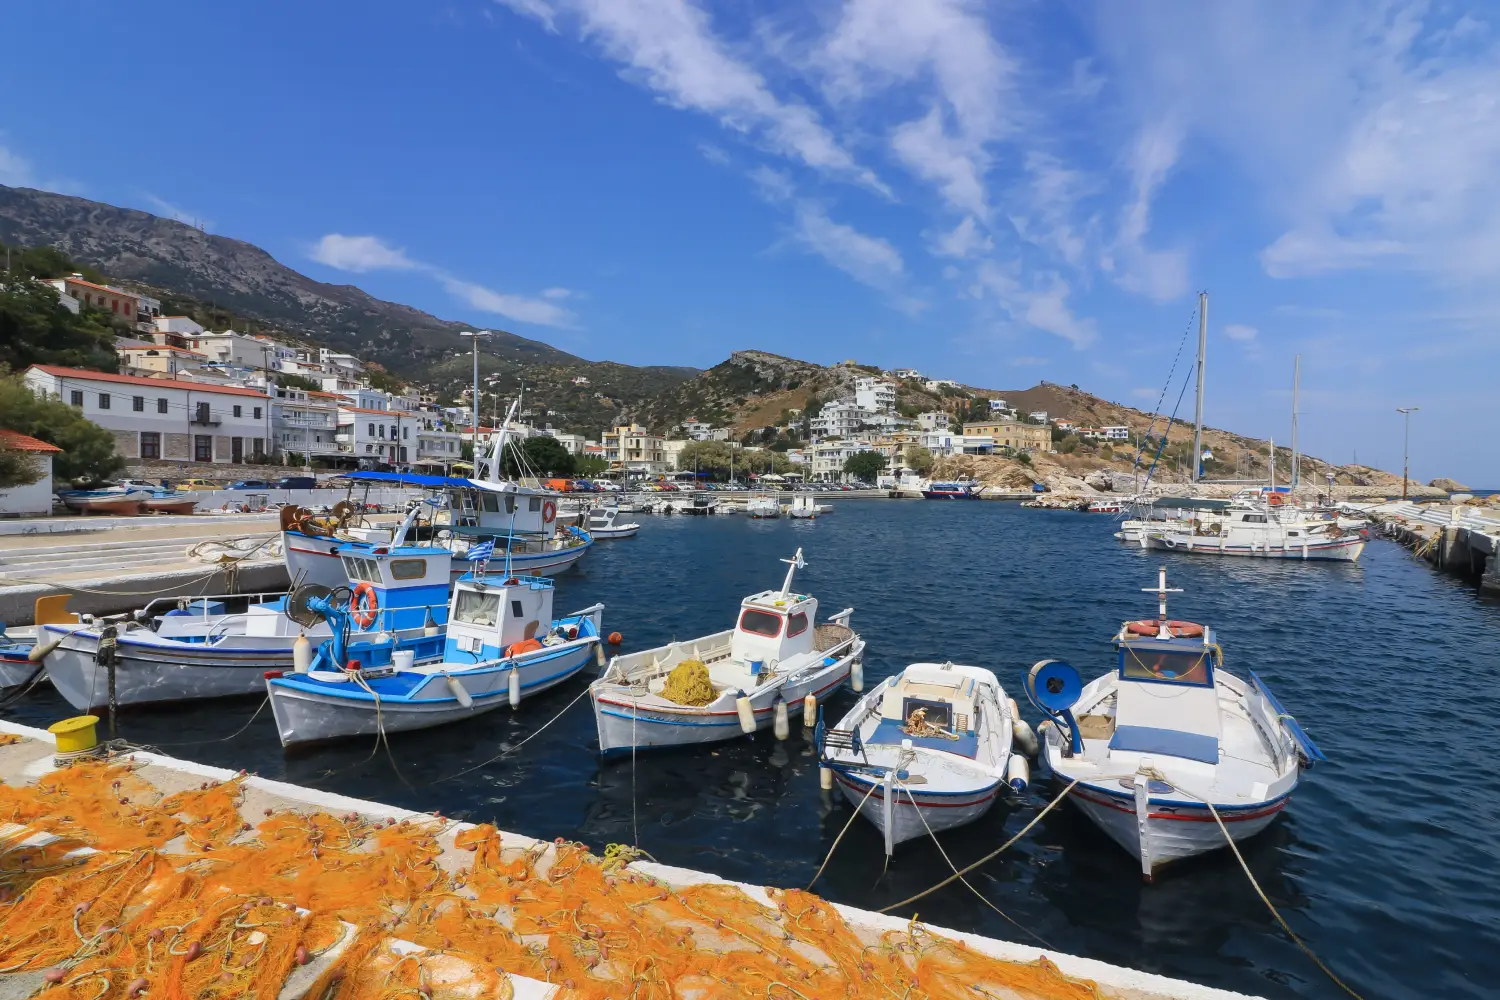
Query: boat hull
point(1346, 549)
point(15, 668)
point(949, 495)
point(1174, 830)
point(915, 812)
point(622, 724)
point(171, 506)
point(308, 716)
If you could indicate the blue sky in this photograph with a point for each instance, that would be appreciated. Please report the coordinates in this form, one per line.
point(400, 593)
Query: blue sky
point(992, 192)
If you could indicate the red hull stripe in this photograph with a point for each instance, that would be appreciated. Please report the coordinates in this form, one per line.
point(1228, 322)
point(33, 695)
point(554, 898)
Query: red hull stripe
point(879, 796)
point(759, 711)
point(1205, 817)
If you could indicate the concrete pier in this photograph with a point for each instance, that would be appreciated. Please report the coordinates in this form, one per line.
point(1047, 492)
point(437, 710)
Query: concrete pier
point(759, 923)
point(1457, 538)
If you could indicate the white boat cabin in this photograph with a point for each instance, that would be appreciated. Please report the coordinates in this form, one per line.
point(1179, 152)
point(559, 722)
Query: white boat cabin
point(504, 509)
point(485, 619)
point(1165, 701)
point(932, 699)
point(773, 626)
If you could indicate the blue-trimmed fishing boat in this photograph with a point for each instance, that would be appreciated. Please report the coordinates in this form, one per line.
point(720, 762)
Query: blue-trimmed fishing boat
point(502, 646)
point(1168, 745)
point(962, 489)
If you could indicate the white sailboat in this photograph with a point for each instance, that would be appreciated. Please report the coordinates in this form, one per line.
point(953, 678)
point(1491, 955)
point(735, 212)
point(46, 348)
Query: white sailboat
point(1168, 744)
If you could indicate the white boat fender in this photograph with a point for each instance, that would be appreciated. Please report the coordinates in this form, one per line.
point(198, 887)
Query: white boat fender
point(599, 655)
point(514, 682)
point(302, 654)
point(857, 676)
point(782, 726)
point(1024, 738)
point(746, 713)
point(810, 710)
point(825, 778)
point(457, 689)
point(1018, 774)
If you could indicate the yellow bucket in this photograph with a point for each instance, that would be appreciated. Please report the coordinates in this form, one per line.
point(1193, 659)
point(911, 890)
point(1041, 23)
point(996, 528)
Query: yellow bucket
point(76, 734)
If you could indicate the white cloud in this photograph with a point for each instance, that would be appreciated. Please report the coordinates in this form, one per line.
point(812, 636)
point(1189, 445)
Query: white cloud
point(1240, 332)
point(714, 154)
point(165, 208)
point(868, 259)
point(1156, 274)
point(964, 240)
point(360, 254)
point(1043, 304)
point(538, 9)
point(15, 169)
point(668, 46)
point(1027, 362)
point(956, 168)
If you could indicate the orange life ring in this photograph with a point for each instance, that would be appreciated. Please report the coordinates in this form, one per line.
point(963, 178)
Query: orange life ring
point(549, 512)
point(364, 605)
point(524, 646)
point(1176, 629)
point(1275, 499)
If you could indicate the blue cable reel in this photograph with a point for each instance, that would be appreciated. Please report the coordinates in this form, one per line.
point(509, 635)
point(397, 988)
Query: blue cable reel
point(1055, 687)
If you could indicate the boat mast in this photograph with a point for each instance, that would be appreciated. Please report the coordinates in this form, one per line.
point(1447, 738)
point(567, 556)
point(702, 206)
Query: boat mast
point(1296, 383)
point(1271, 463)
point(793, 565)
point(1202, 357)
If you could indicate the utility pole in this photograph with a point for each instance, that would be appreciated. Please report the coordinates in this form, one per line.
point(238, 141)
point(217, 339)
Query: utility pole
point(474, 409)
point(1406, 412)
point(1202, 358)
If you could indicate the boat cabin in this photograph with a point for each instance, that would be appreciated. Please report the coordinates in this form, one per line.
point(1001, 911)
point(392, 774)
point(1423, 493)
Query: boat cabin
point(1165, 700)
point(487, 617)
point(503, 509)
point(933, 706)
point(773, 625)
point(409, 581)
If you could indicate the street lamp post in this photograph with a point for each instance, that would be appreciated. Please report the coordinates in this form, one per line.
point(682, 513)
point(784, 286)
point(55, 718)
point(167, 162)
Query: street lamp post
point(1406, 412)
point(476, 334)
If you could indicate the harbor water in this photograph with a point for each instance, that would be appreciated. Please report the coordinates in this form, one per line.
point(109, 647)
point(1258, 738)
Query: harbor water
point(1385, 863)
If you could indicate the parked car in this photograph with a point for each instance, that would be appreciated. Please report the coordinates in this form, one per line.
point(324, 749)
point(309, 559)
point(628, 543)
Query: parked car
point(296, 483)
point(197, 484)
point(138, 484)
point(249, 484)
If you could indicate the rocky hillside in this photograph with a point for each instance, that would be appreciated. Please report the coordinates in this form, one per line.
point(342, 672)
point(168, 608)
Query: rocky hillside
point(171, 259)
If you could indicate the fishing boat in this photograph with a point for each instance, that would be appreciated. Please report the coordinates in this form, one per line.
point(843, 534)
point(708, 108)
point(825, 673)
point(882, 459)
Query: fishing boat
point(927, 750)
point(177, 650)
point(763, 507)
point(805, 506)
point(962, 489)
point(1265, 531)
point(16, 667)
point(170, 502)
point(700, 505)
point(754, 675)
point(604, 522)
point(1169, 744)
point(502, 646)
point(1103, 507)
point(111, 500)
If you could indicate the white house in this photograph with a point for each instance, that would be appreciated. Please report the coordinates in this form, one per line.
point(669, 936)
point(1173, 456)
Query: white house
point(933, 420)
point(373, 436)
point(1114, 432)
point(840, 418)
point(874, 394)
point(939, 384)
point(998, 406)
point(160, 419)
point(906, 373)
point(305, 423)
point(37, 497)
point(238, 349)
point(572, 443)
point(828, 457)
point(1040, 416)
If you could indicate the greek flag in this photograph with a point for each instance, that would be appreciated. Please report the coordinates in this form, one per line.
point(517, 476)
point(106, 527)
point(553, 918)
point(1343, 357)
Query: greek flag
point(482, 551)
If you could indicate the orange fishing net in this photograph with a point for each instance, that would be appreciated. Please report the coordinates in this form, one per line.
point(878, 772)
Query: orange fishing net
point(183, 899)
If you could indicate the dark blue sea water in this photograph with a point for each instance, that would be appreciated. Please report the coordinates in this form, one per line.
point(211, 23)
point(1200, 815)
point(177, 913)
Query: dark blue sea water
point(1387, 862)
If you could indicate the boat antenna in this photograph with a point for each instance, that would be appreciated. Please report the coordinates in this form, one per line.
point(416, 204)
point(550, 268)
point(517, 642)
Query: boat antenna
point(1161, 590)
point(1202, 357)
point(793, 565)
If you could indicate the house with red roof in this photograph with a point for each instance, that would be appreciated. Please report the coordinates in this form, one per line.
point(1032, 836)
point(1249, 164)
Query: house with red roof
point(34, 498)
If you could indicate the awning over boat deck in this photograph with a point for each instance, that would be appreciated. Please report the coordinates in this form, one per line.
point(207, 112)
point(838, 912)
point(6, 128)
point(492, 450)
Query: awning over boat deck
point(427, 482)
point(1190, 503)
point(889, 731)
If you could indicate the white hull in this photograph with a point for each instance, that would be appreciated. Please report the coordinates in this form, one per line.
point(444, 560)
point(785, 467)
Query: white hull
point(15, 669)
point(622, 724)
point(913, 812)
point(311, 559)
point(306, 716)
point(624, 531)
point(1346, 549)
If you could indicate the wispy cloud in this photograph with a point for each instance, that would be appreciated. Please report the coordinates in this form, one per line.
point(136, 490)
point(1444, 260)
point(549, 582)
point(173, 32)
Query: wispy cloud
point(362, 254)
point(540, 10)
point(1027, 362)
point(1158, 274)
point(868, 259)
point(1041, 303)
point(1240, 332)
point(15, 169)
point(963, 240)
point(162, 207)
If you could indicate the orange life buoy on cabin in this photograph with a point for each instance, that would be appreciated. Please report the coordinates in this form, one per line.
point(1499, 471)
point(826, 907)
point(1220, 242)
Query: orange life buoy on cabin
point(1176, 629)
point(364, 605)
point(1275, 499)
point(549, 512)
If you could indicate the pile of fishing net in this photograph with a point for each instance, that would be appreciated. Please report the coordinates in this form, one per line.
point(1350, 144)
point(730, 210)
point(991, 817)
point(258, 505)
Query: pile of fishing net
point(689, 684)
point(186, 899)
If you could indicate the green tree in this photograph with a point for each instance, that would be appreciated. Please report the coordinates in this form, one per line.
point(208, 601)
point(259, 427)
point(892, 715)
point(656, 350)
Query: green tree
point(1068, 445)
point(46, 262)
point(590, 466)
point(384, 381)
point(865, 465)
point(544, 456)
point(291, 380)
point(918, 459)
point(36, 330)
point(88, 450)
point(18, 468)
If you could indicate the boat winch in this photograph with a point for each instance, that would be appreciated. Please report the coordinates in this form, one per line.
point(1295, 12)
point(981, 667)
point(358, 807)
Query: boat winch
point(1055, 687)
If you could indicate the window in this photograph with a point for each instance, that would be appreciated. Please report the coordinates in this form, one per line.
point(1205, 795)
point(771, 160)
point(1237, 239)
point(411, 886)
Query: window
point(257, 413)
point(536, 504)
point(406, 432)
point(114, 305)
point(161, 406)
point(393, 432)
point(362, 570)
point(237, 411)
point(372, 430)
point(1166, 666)
point(760, 623)
point(103, 400)
point(127, 309)
point(474, 608)
point(138, 404)
point(76, 397)
point(516, 611)
point(1254, 519)
point(150, 444)
point(490, 502)
point(203, 448)
point(797, 624)
point(408, 569)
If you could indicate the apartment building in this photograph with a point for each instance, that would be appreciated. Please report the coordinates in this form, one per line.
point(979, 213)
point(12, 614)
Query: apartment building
point(144, 358)
point(137, 310)
point(828, 458)
point(162, 419)
point(304, 422)
point(1012, 435)
point(841, 418)
point(630, 448)
point(874, 394)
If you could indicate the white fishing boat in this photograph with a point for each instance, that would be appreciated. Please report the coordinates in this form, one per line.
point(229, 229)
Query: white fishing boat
point(199, 649)
point(502, 646)
point(927, 750)
point(701, 505)
point(1168, 744)
point(16, 667)
point(737, 681)
point(763, 507)
point(1265, 531)
point(109, 500)
point(804, 506)
point(605, 522)
point(1104, 507)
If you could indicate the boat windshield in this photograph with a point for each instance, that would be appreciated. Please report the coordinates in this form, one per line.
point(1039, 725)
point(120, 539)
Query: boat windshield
point(1165, 665)
point(760, 623)
point(474, 608)
point(361, 570)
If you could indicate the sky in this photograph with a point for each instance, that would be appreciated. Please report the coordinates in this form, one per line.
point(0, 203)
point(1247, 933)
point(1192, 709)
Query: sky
point(996, 193)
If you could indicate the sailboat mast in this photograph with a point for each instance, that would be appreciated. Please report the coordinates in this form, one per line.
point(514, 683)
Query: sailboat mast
point(1296, 384)
point(1202, 358)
